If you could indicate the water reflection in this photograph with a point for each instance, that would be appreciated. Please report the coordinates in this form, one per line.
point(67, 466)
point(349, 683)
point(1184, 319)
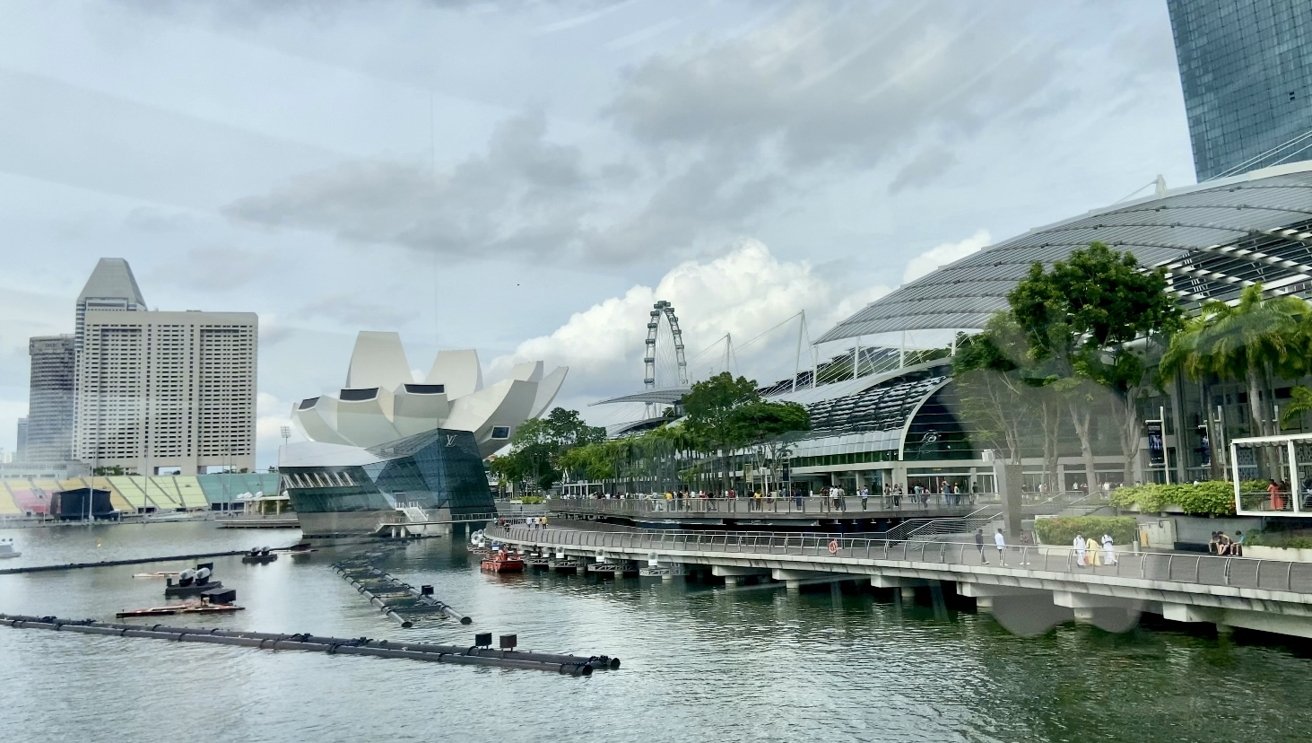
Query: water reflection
point(700, 662)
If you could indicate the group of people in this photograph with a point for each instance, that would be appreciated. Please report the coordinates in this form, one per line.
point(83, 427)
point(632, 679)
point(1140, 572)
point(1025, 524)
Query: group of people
point(532, 522)
point(1087, 554)
point(1222, 545)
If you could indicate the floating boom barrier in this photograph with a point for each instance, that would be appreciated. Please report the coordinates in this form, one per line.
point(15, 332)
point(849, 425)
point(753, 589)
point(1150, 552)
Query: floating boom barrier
point(569, 665)
point(395, 597)
point(111, 563)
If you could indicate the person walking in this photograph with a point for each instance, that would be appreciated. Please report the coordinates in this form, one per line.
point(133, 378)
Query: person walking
point(1001, 542)
point(1078, 544)
point(865, 496)
point(979, 545)
point(1095, 558)
point(1108, 550)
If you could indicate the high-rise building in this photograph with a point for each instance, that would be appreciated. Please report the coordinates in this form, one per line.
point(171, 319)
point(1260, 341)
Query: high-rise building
point(110, 287)
point(167, 390)
point(20, 450)
point(1246, 70)
point(49, 425)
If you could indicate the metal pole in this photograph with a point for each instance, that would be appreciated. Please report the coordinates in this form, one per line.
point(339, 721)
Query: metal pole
point(1166, 450)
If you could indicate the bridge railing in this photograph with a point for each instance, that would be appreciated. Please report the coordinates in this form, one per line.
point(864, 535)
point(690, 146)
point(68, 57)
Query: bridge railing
point(818, 505)
point(837, 549)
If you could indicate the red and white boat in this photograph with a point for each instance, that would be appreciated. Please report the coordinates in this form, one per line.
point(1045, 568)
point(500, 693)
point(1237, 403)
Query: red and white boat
point(502, 562)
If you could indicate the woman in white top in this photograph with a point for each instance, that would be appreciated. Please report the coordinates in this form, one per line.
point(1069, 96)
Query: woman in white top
point(1078, 544)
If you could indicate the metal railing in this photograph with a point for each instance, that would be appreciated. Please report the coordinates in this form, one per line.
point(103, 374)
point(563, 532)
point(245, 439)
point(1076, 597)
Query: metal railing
point(977, 519)
point(838, 551)
point(810, 506)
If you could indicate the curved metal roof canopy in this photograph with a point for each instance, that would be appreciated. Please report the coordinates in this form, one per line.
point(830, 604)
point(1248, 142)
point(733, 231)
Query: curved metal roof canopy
point(1213, 239)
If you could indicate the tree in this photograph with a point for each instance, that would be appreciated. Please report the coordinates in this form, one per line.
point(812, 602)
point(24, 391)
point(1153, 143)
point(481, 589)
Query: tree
point(1081, 319)
point(767, 425)
point(1254, 341)
point(990, 386)
point(710, 419)
point(538, 445)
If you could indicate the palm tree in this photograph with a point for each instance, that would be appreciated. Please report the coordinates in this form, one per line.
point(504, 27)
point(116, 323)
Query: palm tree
point(1255, 341)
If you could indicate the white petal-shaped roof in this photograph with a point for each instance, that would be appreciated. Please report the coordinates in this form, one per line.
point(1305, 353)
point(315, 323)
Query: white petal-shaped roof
point(418, 407)
point(458, 371)
point(378, 360)
point(547, 389)
point(382, 403)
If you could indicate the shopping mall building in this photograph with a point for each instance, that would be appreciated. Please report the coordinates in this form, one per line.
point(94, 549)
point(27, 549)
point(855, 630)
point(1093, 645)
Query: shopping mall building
point(888, 420)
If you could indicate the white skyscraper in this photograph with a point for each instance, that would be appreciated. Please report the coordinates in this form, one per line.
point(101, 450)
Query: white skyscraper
point(161, 390)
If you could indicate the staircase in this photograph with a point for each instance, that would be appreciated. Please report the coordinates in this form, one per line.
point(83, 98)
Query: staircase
point(977, 519)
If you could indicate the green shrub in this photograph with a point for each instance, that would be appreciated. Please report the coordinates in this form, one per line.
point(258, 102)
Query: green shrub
point(530, 500)
point(1211, 498)
point(1286, 540)
point(1062, 529)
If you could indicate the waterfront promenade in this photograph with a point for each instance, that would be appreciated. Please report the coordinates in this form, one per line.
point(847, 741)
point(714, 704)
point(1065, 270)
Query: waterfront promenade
point(1272, 596)
point(803, 510)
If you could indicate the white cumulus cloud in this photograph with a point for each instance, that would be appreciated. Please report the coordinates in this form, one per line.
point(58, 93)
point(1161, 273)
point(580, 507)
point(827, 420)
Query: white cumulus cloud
point(943, 254)
point(747, 293)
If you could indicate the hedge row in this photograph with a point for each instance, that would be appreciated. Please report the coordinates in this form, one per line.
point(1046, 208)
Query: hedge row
point(1062, 529)
point(1287, 540)
point(1211, 498)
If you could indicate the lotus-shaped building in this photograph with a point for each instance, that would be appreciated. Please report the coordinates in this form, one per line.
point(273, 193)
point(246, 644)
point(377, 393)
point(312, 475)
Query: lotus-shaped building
point(382, 401)
point(390, 455)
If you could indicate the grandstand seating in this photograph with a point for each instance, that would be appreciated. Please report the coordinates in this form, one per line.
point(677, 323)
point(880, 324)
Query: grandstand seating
point(134, 493)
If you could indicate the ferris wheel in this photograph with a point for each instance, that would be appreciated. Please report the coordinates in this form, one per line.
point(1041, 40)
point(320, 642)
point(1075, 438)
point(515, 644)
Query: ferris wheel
point(664, 309)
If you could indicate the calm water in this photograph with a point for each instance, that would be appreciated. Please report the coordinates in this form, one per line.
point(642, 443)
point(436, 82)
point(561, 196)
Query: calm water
point(700, 663)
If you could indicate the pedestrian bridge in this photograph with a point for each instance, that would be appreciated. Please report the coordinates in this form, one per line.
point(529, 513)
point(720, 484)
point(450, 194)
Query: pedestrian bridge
point(1037, 585)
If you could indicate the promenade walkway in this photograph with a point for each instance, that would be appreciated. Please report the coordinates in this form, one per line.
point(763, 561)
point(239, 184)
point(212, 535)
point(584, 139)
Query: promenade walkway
point(1270, 595)
point(803, 509)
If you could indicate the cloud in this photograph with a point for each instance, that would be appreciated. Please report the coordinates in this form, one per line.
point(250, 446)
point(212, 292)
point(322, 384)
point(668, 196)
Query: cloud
point(846, 85)
point(523, 196)
point(347, 310)
point(923, 169)
point(943, 254)
point(747, 293)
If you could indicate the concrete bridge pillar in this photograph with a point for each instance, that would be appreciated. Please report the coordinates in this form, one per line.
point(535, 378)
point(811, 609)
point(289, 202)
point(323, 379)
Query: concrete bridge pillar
point(985, 594)
point(906, 587)
point(1105, 612)
point(793, 578)
point(733, 574)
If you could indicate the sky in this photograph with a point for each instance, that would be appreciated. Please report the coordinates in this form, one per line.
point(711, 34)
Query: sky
point(528, 178)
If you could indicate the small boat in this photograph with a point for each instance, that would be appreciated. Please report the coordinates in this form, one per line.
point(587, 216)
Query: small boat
point(259, 556)
point(158, 574)
point(503, 562)
point(189, 607)
point(191, 582)
point(7, 549)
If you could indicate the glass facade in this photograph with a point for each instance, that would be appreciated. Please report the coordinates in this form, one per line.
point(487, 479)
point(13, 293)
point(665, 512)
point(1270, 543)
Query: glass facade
point(432, 470)
point(1246, 70)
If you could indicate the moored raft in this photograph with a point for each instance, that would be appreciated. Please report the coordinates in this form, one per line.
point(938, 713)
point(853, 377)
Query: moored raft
point(190, 607)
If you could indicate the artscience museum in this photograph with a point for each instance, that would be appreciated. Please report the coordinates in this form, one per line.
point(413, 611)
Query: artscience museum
point(388, 448)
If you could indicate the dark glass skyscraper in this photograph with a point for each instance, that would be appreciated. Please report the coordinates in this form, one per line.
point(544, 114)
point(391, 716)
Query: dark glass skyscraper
point(1246, 69)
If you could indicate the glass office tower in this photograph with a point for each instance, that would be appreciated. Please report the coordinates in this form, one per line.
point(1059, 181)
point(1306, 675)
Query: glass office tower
point(1246, 70)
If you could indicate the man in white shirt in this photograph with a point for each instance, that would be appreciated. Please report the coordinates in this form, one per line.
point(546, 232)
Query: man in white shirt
point(1001, 542)
point(1108, 550)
